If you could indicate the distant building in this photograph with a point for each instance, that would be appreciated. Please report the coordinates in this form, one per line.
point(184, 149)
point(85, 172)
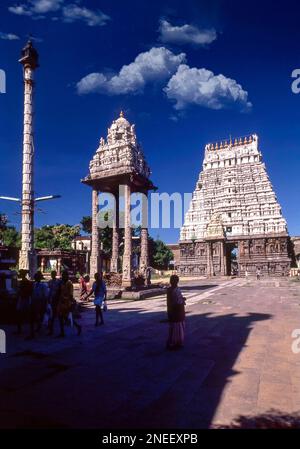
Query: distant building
point(174, 247)
point(8, 259)
point(82, 243)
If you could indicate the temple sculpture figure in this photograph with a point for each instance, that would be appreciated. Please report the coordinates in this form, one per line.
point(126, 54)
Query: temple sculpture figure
point(234, 224)
point(119, 161)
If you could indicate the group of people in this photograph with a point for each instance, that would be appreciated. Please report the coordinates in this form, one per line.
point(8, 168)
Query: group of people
point(46, 302)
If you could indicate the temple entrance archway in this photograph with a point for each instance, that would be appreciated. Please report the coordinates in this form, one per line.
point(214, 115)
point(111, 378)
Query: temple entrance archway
point(232, 259)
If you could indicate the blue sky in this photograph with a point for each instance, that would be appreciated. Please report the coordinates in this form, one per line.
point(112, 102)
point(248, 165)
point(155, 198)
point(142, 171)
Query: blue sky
point(143, 54)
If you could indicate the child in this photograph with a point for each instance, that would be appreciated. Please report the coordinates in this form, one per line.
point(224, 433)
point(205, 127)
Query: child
point(99, 290)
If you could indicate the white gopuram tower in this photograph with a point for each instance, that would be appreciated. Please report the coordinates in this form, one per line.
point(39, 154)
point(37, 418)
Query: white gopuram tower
point(234, 224)
point(29, 60)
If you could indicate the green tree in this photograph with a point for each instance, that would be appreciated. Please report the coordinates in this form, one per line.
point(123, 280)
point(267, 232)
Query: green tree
point(3, 221)
point(105, 233)
point(10, 237)
point(58, 236)
point(160, 255)
point(86, 224)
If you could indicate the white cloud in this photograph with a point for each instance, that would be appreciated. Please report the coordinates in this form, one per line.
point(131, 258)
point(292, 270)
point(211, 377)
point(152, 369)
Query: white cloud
point(155, 64)
point(8, 36)
point(33, 7)
point(68, 13)
point(44, 6)
point(201, 87)
point(186, 34)
point(21, 10)
point(71, 13)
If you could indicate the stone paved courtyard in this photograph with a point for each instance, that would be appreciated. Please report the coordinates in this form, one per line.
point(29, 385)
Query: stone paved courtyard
point(237, 361)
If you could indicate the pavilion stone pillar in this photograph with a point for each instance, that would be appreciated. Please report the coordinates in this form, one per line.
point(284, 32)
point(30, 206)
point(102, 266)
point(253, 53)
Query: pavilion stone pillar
point(127, 262)
point(223, 259)
point(209, 259)
point(43, 263)
point(114, 263)
point(94, 261)
point(58, 265)
point(144, 257)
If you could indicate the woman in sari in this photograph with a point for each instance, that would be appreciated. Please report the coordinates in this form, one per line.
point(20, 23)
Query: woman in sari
point(176, 314)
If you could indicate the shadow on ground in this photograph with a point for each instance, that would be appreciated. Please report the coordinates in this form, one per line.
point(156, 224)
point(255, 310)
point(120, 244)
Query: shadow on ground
point(273, 419)
point(121, 376)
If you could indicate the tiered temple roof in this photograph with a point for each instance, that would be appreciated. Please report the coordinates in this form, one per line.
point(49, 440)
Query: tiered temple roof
point(118, 154)
point(234, 185)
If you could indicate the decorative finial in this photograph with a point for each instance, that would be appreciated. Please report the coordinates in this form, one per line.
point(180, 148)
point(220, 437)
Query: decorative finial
point(29, 56)
point(122, 114)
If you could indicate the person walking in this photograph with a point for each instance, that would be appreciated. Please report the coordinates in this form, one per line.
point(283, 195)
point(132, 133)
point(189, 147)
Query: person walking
point(24, 298)
point(84, 281)
point(176, 314)
point(258, 273)
point(100, 293)
point(54, 292)
point(65, 302)
point(38, 304)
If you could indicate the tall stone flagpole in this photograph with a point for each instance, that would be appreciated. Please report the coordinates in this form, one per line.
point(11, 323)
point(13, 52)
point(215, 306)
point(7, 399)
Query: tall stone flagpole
point(29, 60)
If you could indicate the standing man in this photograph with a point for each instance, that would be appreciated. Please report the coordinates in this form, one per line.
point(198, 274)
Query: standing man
point(258, 273)
point(54, 291)
point(38, 304)
point(24, 299)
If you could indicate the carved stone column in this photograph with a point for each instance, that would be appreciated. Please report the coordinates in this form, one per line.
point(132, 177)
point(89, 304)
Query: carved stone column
point(94, 262)
point(127, 263)
point(28, 260)
point(144, 258)
point(59, 266)
point(209, 259)
point(115, 240)
point(222, 258)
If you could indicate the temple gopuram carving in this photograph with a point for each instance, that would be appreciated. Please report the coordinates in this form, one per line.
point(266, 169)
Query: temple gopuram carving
point(234, 224)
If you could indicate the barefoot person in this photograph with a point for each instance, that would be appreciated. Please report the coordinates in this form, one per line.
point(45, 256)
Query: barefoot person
point(65, 302)
point(24, 299)
point(38, 305)
point(176, 314)
point(84, 282)
point(54, 292)
point(99, 290)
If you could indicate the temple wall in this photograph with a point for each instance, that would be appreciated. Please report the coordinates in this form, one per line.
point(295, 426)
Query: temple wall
point(272, 255)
